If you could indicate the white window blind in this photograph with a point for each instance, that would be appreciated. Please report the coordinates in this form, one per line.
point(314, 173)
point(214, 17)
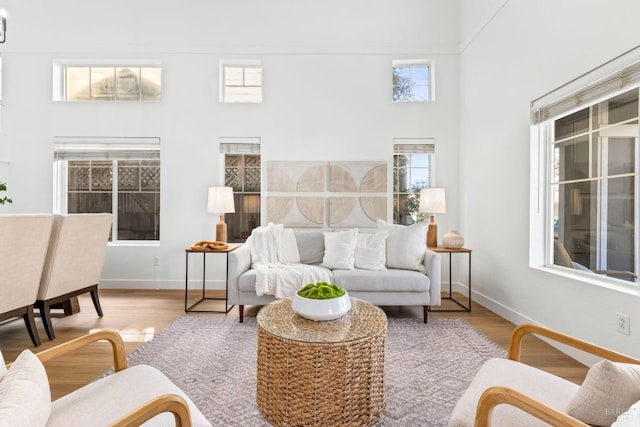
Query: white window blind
point(240, 145)
point(106, 148)
point(414, 146)
point(617, 75)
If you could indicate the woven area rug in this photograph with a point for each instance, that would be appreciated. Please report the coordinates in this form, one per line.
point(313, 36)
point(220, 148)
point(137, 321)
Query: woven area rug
point(213, 359)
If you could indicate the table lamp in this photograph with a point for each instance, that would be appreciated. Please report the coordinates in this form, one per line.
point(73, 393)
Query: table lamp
point(221, 202)
point(432, 201)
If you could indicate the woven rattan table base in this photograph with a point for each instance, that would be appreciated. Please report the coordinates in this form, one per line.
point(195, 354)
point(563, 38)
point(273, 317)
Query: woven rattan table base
point(328, 383)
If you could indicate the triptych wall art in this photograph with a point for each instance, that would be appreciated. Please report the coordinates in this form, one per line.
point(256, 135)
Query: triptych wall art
point(326, 194)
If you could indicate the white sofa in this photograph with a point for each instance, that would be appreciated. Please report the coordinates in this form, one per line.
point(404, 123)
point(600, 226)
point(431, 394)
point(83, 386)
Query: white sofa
point(386, 287)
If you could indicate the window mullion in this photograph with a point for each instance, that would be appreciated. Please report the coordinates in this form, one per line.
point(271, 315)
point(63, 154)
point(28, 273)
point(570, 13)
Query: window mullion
point(114, 199)
point(602, 203)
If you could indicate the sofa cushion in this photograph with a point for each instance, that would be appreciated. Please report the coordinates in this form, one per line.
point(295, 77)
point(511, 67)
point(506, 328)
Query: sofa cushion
point(107, 399)
point(608, 389)
point(543, 386)
point(390, 280)
point(25, 399)
point(339, 249)
point(310, 246)
point(370, 251)
point(405, 245)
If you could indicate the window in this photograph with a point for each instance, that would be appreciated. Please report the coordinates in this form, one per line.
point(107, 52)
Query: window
point(412, 81)
point(242, 172)
point(97, 82)
point(412, 171)
point(116, 175)
point(241, 83)
point(588, 187)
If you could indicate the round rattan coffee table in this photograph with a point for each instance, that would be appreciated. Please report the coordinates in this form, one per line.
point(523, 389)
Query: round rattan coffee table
point(321, 373)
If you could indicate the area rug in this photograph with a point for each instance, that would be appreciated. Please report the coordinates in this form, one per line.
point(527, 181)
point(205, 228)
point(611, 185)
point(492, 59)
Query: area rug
point(213, 359)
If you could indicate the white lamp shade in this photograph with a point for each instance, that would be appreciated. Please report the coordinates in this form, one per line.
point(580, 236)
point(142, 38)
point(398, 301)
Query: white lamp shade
point(432, 200)
point(221, 200)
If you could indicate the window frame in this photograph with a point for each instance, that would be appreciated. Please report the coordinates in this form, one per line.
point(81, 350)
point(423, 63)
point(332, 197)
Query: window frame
point(245, 64)
point(242, 146)
point(600, 84)
point(412, 146)
point(415, 63)
point(59, 75)
point(103, 149)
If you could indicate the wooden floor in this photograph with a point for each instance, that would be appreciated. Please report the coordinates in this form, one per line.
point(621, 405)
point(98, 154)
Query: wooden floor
point(139, 315)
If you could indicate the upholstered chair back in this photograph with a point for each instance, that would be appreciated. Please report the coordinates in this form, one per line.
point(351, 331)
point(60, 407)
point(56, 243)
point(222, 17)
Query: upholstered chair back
point(76, 253)
point(23, 247)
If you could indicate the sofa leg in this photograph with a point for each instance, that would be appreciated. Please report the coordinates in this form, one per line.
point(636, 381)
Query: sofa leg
point(425, 311)
point(241, 311)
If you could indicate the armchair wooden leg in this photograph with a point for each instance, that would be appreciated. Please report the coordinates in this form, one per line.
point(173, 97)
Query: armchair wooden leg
point(241, 311)
point(96, 300)
point(29, 321)
point(45, 315)
point(425, 311)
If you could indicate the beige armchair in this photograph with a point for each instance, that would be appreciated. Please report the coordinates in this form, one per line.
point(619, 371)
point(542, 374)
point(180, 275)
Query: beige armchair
point(74, 262)
point(23, 247)
point(506, 392)
point(128, 397)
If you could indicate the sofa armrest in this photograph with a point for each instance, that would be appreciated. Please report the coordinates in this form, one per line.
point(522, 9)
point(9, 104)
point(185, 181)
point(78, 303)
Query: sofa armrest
point(433, 264)
point(239, 262)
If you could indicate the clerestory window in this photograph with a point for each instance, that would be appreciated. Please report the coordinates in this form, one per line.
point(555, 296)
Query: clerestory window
point(241, 82)
point(74, 82)
point(413, 81)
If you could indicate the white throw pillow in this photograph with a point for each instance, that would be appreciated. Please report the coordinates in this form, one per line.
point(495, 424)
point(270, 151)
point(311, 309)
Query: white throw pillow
point(406, 245)
point(339, 249)
point(370, 251)
point(25, 398)
point(608, 389)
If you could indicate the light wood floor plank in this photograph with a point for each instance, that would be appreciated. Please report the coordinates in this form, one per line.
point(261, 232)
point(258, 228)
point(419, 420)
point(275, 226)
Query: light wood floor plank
point(139, 314)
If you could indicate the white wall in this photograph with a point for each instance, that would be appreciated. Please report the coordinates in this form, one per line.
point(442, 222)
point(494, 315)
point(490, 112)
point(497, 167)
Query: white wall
point(327, 95)
point(521, 50)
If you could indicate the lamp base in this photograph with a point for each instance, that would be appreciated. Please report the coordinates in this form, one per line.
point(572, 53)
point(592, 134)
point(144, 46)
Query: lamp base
point(432, 233)
point(221, 230)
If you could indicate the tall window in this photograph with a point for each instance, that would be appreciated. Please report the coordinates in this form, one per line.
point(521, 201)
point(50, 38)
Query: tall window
point(105, 82)
point(412, 171)
point(412, 81)
point(591, 183)
point(116, 175)
point(242, 171)
point(241, 83)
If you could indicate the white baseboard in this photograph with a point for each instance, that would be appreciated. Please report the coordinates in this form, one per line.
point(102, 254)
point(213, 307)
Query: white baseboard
point(517, 318)
point(161, 284)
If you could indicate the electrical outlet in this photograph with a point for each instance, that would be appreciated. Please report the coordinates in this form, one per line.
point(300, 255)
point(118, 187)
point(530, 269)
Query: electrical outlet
point(623, 323)
point(156, 261)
